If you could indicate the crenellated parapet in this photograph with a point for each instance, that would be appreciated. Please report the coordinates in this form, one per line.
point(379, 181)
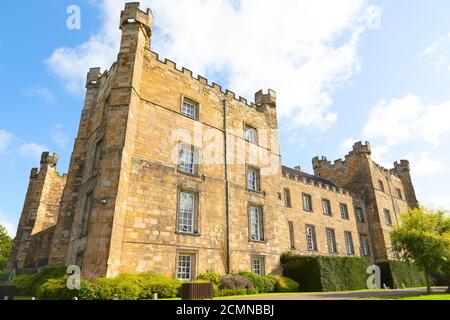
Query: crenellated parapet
point(132, 15)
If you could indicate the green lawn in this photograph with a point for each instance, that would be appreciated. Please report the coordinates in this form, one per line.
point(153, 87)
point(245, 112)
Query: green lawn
point(422, 297)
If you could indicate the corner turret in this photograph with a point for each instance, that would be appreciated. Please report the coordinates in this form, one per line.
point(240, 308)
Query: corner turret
point(362, 147)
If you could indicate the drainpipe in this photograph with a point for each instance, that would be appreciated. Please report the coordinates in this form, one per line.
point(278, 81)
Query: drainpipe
point(227, 186)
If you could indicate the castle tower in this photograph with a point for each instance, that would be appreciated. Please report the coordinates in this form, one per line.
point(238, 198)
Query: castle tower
point(40, 210)
point(403, 170)
point(386, 193)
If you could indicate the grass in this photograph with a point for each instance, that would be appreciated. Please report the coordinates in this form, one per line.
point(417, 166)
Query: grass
point(437, 296)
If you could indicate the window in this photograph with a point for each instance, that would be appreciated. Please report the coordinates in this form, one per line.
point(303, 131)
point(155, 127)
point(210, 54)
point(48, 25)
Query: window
point(307, 202)
point(190, 108)
point(186, 266)
point(251, 134)
point(364, 245)
point(86, 215)
point(326, 207)
point(187, 212)
point(253, 179)
point(189, 159)
point(344, 211)
point(292, 234)
point(381, 185)
point(331, 241)
point(98, 150)
point(258, 266)
point(256, 223)
point(387, 217)
point(399, 194)
point(287, 198)
point(311, 238)
point(349, 243)
point(360, 215)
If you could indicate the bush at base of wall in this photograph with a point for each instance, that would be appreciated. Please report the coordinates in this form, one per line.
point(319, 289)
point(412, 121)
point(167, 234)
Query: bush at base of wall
point(395, 274)
point(325, 274)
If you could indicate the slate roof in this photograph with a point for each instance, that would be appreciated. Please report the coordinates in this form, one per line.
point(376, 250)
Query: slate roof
point(298, 173)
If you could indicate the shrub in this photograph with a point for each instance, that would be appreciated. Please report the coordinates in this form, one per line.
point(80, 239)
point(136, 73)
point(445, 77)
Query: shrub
point(150, 283)
point(24, 284)
point(28, 285)
point(233, 292)
point(236, 282)
point(261, 284)
point(212, 277)
point(284, 284)
point(318, 273)
point(3, 277)
point(395, 273)
point(56, 289)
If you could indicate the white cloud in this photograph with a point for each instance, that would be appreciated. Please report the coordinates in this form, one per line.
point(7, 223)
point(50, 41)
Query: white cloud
point(438, 52)
point(5, 140)
point(10, 227)
point(408, 119)
point(40, 91)
point(60, 137)
point(425, 163)
point(32, 150)
point(302, 49)
point(347, 145)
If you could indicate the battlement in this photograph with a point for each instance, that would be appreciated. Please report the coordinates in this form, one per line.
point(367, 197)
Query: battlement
point(132, 14)
point(403, 165)
point(93, 77)
point(362, 147)
point(316, 184)
point(52, 160)
point(260, 97)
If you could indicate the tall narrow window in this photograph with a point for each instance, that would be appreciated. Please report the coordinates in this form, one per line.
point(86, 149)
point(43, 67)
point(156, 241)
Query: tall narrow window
point(349, 243)
point(186, 266)
point(311, 238)
point(326, 207)
point(360, 215)
point(364, 245)
point(189, 159)
point(256, 223)
point(258, 265)
point(190, 108)
point(187, 212)
point(331, 241)
point(387, 217)
point(292, 234)
point(344, 211)
point(307, 202)
point(287, 198)
point(98, 150)
point(86, 215)
point(399, 194)
point(253, 180)
point(381, 185)
point(251, 134)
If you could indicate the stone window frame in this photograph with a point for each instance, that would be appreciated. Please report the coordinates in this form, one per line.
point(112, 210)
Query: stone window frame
point(197, 214)
point(334, 241)
point(262, 260)
point(387, 217)
point(292, 234)
point(324, 200)
point(99, 143)
point(258, 178)
point(309, 197)
point(357, 216)
point(247, 127)
point(194, 103)
point(262, 234)
point(399, 193)
point(345, 215)
point(348, 240)
point(365, 249)
point(313, 238)
point(88, 205)
point(381, 186)
point(287, 198)
point(196, 159)
point(194, 254)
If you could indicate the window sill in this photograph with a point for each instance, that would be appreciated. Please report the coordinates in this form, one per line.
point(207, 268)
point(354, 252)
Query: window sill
point(192, 175)
point(258, 241)
point(308, 211)
point(188, 234)
point(254, 192)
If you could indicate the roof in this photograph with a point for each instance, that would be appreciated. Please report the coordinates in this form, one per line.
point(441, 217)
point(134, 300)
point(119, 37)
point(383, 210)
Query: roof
point(298, 173)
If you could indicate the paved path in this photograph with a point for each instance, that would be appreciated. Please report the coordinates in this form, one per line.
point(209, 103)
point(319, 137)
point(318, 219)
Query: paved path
point(351, 295)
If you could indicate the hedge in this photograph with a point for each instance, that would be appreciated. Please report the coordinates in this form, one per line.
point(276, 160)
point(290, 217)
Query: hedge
point(325, 274)
point(262, 284)
point(395, 274)
point(28, 285)
point(285, 284)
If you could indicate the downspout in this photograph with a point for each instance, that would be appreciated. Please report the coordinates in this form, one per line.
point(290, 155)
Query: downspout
point(227, 187)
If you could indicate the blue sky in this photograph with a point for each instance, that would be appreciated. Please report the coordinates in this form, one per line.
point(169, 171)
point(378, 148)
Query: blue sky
point(343, 70)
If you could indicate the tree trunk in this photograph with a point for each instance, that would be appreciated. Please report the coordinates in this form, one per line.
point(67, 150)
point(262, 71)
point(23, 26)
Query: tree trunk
point(428, 279)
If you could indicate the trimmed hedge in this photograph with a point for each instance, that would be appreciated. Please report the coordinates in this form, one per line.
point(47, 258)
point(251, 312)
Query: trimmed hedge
point(394, 274)
point(285, 284)
point(28, 285)
point(262, 284)
point(324, 274)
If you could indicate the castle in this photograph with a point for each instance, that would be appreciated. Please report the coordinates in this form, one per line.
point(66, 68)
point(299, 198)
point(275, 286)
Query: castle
point(172, 174)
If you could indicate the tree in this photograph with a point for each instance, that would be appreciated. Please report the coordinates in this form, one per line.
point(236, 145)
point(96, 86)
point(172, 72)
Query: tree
point(423, 237)
point(5, 247)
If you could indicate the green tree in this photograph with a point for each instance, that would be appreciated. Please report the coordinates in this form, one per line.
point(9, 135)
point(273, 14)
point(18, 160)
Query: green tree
point(423, 238)
point(5, 247)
